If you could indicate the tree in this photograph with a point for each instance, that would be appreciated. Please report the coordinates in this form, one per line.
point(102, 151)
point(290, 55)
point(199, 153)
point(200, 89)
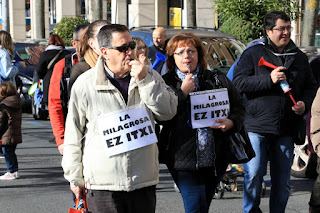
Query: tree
point(244, 18)
point(66, 27)
point(310, 16)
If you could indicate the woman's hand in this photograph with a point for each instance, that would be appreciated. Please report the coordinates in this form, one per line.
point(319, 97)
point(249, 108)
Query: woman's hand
point(224, 124)
point(188, 85)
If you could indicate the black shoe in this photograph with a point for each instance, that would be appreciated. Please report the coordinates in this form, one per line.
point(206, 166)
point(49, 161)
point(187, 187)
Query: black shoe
point(52, 140)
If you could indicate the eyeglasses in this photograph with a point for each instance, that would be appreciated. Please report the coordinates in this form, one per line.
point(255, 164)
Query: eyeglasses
point(142, 47)
point(123, 48)
point(282, 29)
point(189, 52)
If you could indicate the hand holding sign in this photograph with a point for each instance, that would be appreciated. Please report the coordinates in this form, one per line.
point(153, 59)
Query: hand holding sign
point(224, 124)
point(138, 70)
point(188, 85)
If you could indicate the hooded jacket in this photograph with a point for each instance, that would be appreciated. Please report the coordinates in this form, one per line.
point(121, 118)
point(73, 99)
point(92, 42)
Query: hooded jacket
point(268, 108)
point(84, 161)
point(10, 120)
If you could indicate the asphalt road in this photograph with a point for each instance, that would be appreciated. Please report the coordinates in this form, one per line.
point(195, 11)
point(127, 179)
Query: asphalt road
point(42, 187)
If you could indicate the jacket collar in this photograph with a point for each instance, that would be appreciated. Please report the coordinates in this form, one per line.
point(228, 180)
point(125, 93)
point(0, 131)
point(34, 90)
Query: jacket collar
point(102, 82)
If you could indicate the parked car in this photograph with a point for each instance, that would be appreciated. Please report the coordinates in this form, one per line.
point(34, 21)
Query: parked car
point(222, 49)
point(29, 53)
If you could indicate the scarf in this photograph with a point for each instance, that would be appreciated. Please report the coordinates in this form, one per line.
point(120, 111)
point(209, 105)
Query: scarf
point(205, 139)
point(91, 57)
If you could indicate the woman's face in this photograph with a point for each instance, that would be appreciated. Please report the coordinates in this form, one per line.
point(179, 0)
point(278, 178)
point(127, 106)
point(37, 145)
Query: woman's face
point(184, 56)
point(141, 49)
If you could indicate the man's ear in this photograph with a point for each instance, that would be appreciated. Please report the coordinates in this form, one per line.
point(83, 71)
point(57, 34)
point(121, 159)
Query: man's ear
point(104, 52)
point(74, 43)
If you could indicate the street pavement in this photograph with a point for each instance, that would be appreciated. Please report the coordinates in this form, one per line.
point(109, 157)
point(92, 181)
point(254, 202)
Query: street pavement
point(42, 187)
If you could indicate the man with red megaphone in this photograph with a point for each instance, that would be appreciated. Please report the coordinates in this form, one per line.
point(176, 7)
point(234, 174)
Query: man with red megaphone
point(273, 116)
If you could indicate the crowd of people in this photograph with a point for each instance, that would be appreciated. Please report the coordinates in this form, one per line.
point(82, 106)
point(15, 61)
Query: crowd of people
point(115, 118)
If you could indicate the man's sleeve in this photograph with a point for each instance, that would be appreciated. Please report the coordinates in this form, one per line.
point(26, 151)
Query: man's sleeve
point(74, 136)
point(55, 108)
point(158, 96)
point(245, 77)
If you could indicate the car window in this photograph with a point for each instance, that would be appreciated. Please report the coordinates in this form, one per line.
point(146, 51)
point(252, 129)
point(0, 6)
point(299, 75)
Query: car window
point(222, 52)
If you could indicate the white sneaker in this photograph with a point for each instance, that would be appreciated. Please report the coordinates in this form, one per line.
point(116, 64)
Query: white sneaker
point(9, 176)
point(17, 174)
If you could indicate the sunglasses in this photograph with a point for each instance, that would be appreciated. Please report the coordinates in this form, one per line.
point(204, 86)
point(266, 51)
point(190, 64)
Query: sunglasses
point(142, 47)
point(123, 48)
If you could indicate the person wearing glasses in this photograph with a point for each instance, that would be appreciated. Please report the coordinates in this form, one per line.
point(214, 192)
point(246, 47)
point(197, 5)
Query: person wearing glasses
point(272, 118)
point(110, 143)
point(195, 156)
point(141, 51)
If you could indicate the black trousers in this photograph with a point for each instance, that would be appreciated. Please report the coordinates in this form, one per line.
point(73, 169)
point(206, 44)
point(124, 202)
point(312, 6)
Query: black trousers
point(314, 203)
point(140, 200)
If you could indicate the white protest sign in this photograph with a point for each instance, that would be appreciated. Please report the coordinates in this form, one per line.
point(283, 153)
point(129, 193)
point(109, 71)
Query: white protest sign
point(209, 106)
point(126, 130)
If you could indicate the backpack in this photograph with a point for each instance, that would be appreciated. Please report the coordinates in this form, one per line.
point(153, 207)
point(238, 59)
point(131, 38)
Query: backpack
point(64, 85)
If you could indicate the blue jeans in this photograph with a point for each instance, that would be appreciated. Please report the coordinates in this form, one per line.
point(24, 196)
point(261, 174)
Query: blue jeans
point(10, 157)
point(197, 189)
point(279, 150)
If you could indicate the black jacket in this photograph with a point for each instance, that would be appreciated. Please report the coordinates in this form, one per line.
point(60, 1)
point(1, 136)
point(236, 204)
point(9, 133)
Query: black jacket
point(268, 109)
point(44, 73)
point(179, 141)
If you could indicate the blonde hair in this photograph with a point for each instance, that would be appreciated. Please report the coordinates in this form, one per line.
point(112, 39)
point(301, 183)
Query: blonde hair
point(6, 41)
point(7, 88)
point(137, 40)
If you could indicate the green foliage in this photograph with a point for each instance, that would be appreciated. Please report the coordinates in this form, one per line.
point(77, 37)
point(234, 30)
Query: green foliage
point(250, 13)
point(243, 30)
point(66, 27)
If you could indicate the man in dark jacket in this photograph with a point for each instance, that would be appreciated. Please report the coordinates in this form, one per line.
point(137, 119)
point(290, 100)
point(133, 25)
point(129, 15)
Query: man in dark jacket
point(159, 37)
point(271, 117)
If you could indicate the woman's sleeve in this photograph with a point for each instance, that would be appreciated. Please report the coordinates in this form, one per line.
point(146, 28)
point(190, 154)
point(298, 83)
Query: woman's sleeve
point(7, 69)
point(237, 109)
point(315, 123)
point(41, 68)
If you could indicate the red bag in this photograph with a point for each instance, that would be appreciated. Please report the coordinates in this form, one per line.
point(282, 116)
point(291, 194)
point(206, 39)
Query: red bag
point(80, 207)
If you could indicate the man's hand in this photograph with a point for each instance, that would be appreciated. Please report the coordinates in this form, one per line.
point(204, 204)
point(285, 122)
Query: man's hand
point(299, 108)
point(78, 191)
point(138, 70)
point(60, 148)
point(188, 85)
point(225, 124)
point(277, 75)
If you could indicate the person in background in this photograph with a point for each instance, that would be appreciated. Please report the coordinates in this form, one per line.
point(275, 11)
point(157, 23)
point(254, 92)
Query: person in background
point(88, 50)
point(8, 71)
point(271, 116)
point(57, 101)
point(141, 51)
point(10, 127)
point(196, 157)
point(124, 182)
point(53, 53)
point(159, 37)
point(314, 203)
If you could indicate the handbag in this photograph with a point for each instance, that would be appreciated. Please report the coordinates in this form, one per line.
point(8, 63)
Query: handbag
point(80, 207)
point(240, 148)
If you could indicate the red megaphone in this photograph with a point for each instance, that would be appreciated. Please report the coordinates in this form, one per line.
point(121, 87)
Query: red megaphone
point(265, 63)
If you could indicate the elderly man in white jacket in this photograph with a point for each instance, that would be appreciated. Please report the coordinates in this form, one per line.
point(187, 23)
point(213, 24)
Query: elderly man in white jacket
point(110, 145)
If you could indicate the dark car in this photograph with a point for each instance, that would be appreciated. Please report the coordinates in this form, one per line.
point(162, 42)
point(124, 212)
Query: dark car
point(27, 53)
point(222, 49)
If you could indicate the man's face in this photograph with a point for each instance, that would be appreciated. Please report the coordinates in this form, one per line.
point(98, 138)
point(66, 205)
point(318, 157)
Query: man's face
point(116, 61)
point(280, 34)
point(159, 39)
